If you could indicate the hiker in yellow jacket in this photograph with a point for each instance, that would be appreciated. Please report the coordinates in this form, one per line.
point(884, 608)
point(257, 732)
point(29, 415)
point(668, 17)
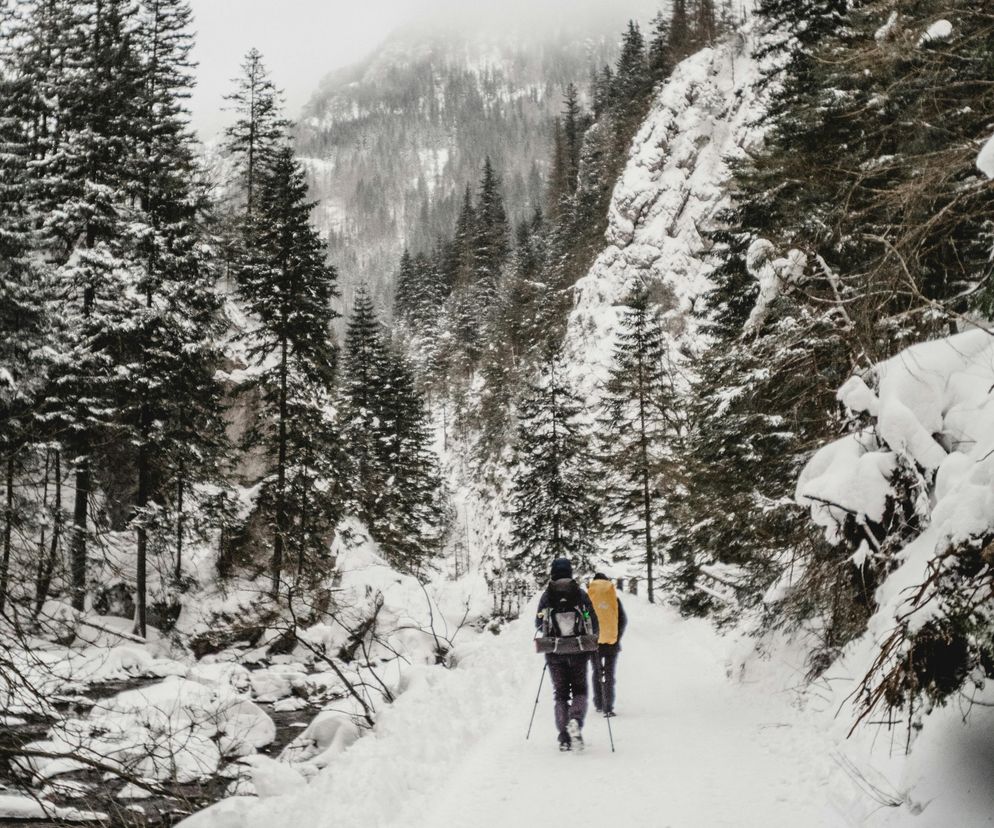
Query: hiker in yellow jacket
point(612, 620)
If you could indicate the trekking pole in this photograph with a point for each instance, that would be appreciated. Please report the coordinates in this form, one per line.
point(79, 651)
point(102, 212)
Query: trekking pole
point(610, 734)
point(539, 693)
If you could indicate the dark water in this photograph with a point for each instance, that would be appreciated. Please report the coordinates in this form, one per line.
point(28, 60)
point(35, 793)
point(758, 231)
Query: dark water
point(158, 810)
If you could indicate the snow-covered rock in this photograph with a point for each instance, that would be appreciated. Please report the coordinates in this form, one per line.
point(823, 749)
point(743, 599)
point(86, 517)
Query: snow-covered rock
point(940, 30)
point(673, 186)
point(985, 160)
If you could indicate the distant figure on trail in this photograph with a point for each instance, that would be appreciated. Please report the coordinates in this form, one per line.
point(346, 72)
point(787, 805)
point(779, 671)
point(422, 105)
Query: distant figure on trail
point(569, 628)
point(612, 621)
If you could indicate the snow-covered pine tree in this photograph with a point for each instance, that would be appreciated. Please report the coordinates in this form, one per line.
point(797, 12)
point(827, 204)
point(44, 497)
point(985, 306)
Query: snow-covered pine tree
point(394, 486)
point(83, 199)
point(639, 428)
point(364, 372)
point(171, 402)
point(288, 288)
point(412, 515)
point(632, 83)
point(23, 294)
point(491, 244)
point(554, 505)
point(256, 136)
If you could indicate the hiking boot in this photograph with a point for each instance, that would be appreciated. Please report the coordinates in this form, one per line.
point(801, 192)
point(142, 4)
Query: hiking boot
point(609, 713)
point(573, 729)
point(565, 742)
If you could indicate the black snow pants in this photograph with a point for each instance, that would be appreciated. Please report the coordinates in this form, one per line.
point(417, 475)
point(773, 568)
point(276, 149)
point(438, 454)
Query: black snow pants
point(569, 683)
point(605, 661)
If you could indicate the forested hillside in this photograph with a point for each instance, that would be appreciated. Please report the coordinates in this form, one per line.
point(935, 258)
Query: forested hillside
point(391, 144)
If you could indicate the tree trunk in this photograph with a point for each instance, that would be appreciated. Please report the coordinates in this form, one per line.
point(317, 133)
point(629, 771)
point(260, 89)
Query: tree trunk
point(281, 527)
point(77, 550)
point(41, 532)
point(646, 501)
point(141, 565)
point(302, 542)
point(45, 578)
point(8, 528)
point(179, 529)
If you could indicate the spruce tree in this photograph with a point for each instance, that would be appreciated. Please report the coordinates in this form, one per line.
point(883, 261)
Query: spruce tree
point(639, 427)
point(491, 241)
point(23, 296)
point(288, 287)
point(255, 138)
point(573, 128)
point(172, 400)
point(554, 506)
point(364, 373)
point(83, 195)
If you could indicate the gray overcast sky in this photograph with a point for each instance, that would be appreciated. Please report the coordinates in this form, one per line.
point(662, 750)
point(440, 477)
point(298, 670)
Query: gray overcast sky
point(301, 40)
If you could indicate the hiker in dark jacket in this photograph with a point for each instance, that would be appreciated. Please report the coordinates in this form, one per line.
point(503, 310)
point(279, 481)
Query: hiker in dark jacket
point(567, 670)
point(612, 622)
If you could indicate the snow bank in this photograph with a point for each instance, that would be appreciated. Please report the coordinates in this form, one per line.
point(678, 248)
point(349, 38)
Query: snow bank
point(985, 160)
point(935, 416)
point(416, 745)
point(940, 30)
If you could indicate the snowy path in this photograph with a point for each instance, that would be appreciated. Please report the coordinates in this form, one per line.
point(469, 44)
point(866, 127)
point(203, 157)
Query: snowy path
point(693, 749)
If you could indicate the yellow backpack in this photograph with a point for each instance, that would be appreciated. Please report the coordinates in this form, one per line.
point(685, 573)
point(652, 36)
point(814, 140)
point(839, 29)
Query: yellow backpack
point(605, 601)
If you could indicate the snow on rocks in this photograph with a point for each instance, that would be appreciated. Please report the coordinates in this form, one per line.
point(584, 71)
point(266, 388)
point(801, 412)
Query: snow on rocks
point(985, 160)
point(939, 31)
point(703, 118)
point(886, 32)
point(13, 806)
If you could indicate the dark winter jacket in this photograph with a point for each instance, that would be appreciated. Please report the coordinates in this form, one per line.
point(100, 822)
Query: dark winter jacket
point(582, 600)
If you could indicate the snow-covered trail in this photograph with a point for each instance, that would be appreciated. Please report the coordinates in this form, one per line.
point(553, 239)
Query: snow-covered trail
point(692, 749)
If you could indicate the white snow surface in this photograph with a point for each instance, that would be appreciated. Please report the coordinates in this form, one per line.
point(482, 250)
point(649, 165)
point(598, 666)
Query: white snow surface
point(934, 412)
point(709, 733)
point(985, 160)
point(673, 186)
point(940, 30)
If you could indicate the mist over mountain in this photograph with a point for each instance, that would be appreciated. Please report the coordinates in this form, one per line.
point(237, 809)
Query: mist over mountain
point(391, 143)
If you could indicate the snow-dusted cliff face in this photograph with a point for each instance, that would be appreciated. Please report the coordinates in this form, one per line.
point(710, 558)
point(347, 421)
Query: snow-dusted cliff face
point(674, 184)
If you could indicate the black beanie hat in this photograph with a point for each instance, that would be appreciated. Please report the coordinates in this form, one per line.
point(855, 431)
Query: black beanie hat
point(600, 576)
point(561, 568)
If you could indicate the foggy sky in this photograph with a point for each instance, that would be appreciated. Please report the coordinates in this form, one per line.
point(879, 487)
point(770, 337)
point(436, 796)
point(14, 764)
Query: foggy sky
point(303, 40)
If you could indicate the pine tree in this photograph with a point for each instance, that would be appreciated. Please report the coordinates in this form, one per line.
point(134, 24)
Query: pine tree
point(661, 47)
point(23, 319)
point(412, 520)
point(491, 241)
point(573, 128)
point(255, 138)
point(288, 287)
point(172, 400)
point(681, 37)
point(395, 486)
point(554, 507)
point(632, 82)
point(83, 195)
point(364, 372)
point(639, 427)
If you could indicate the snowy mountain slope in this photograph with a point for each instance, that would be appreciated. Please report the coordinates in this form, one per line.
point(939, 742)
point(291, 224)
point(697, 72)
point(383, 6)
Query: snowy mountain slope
point(391, 143)
point(673, 186)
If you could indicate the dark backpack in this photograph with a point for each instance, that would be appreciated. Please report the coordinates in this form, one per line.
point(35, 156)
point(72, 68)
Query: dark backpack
point(565, 616)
